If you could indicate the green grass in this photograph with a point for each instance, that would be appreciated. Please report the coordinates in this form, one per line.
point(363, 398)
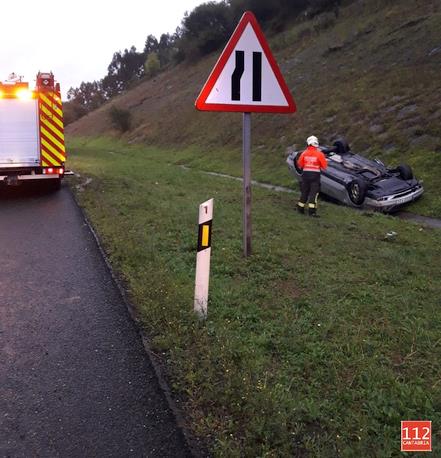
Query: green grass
point(316, 346)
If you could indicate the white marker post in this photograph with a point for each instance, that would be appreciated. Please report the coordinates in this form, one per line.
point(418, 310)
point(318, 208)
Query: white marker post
point(203, 258)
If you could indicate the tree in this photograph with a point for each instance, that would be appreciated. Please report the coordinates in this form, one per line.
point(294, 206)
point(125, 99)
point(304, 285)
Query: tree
point(166, 49)
point(152, 65)
point(89, 95)
point(206, 28)
point(274, 14)
point(151, 45)
point(109, 86)
point(125, 68)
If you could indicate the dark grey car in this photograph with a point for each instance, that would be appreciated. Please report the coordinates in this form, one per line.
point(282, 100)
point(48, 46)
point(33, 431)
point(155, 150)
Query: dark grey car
point(360, 182)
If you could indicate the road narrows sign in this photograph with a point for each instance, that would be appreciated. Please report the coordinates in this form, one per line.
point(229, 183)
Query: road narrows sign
point(246, 78)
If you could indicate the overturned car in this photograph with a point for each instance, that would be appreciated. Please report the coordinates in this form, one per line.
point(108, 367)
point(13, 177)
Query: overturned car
point(361, 182)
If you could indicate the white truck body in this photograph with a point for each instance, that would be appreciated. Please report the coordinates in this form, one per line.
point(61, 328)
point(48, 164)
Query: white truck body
point(19, 135)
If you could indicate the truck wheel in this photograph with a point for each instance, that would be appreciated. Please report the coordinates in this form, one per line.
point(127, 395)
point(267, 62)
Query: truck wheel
point(405, 172)
point(357, 191)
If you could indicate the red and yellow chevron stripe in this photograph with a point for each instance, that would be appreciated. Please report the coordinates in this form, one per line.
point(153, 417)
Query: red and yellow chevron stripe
point(53, 151)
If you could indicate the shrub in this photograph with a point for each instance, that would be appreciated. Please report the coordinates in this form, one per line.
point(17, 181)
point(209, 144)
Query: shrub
point(152, 65)
point(120, 118)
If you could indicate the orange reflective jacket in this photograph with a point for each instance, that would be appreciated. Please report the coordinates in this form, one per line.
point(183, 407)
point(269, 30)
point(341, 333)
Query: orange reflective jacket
point(312, 160)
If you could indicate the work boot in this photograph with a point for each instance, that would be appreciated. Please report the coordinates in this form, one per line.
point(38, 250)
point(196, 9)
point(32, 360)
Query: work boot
point(313, 212)
point(301, 208)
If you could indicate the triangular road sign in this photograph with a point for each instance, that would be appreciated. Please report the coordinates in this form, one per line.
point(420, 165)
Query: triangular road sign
point(246, 77)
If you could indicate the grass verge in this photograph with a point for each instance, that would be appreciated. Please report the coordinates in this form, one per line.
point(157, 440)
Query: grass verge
point(318, 345)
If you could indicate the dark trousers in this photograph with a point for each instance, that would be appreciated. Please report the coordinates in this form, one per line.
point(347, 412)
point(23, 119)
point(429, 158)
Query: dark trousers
point(309, 190)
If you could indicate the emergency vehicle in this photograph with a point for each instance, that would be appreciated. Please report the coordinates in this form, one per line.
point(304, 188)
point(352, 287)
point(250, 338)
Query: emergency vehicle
point(31, 131)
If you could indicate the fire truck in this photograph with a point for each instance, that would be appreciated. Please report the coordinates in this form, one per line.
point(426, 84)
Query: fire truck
point(31, 131)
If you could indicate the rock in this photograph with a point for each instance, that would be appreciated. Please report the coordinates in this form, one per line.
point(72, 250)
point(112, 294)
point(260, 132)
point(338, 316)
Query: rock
point(392, 108)
point(389, 147)
point(406, 111)
point(426, 141)
point(413, 123)
point(436, 115)
point(383, 137)
point(376, 128)
point(391, 235)
point(334, 48)
point(411, 131)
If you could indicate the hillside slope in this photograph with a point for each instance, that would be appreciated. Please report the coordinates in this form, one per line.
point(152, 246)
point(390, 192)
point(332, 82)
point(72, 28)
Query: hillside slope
point(372, 74)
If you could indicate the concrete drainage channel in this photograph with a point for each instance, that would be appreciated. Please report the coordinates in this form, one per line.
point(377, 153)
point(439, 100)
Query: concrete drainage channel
point(424, 220)
point(253, 182)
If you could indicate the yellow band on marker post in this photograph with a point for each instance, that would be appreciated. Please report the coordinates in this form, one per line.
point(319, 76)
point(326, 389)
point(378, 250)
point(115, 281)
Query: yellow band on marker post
point(205, 235)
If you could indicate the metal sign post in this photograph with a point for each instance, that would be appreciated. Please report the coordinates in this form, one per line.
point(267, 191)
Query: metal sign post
point(246, 154)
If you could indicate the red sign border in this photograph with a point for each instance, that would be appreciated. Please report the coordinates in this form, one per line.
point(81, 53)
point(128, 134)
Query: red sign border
point(247, 18)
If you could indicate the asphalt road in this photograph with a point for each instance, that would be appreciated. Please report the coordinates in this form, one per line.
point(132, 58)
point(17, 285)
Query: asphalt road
point(74, 377)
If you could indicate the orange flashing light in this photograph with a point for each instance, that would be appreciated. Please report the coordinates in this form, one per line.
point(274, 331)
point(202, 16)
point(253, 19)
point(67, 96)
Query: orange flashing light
point(24, 94)
point(16, 91)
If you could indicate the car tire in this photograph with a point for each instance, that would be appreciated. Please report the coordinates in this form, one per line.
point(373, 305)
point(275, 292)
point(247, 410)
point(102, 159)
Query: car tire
point(405, 172)
point(298, 169)
point(357, 191)
point(342, 146)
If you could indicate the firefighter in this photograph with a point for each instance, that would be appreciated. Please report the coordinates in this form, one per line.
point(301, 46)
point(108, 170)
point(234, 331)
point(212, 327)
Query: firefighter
point(312, 161)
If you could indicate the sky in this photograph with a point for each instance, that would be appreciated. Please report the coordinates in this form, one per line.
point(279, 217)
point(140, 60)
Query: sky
point(76, 39)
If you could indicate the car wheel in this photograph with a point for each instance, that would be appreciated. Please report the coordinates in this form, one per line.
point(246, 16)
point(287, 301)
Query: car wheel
point(296, 165)
point(342, 146)
point(357, 191)
point(405, 172)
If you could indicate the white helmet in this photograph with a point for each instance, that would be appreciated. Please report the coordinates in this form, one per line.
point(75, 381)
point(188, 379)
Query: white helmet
point(312, 140)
